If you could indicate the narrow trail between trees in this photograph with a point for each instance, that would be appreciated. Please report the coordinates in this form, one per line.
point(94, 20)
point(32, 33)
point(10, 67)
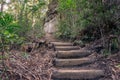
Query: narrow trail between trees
point(70, 62)
point(73, 63)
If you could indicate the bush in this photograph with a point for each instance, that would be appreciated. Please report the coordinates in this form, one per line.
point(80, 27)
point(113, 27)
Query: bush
point(8, 31)
point(91, 18)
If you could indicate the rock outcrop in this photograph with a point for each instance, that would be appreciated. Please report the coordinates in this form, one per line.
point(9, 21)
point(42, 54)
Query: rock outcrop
point(51, 20)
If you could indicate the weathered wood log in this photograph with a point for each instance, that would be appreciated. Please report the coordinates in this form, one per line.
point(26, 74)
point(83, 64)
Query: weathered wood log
point(72, 62)
point(66, 48)
point(62, 44)
point(72, 54)
point(77, 74)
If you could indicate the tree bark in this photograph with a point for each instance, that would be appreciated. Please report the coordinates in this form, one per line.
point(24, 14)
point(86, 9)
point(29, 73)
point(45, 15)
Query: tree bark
point(2, 6)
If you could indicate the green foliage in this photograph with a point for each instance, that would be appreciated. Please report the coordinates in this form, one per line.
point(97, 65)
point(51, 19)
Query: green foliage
point(64, 30)
point(31, 18)
point(88, 17)
point(22, 19)
point(8, 30)
point(66, 4)
point(88, 20)
point(37, 6)
point(67, 11)
point(7, 23)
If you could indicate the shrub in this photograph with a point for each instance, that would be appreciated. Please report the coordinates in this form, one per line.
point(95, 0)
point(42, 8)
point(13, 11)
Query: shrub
point(91, 18)
point(8, 31)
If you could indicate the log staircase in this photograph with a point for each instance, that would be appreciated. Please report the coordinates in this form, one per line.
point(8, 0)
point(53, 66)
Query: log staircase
point(68, 62)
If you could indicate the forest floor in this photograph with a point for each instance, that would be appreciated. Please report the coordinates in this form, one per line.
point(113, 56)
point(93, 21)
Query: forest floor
point(37, 65)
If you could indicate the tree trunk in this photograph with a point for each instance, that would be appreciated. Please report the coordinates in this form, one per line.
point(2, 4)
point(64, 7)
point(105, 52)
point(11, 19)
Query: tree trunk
point(2, 6)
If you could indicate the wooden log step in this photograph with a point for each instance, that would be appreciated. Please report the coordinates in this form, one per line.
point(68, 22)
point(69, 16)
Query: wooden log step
point(72, 62)
point(77, 74)
point(62, 44)
point(66, 48)
point(72, 54)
